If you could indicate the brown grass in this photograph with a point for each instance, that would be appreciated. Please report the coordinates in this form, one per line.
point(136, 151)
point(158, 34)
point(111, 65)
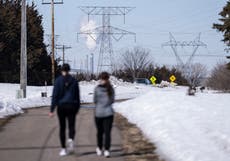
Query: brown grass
point(3, 121)
point(136, 146)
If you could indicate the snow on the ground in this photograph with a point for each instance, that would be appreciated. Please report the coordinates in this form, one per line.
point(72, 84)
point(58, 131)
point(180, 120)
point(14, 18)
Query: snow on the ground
point(9, 105)
point(123, 90)
point(184, 128)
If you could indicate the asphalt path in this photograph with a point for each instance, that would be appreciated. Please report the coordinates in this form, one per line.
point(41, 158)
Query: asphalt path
point(33, 136)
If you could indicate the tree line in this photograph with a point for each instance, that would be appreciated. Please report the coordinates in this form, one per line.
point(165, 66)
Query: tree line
point(138, 63)
point(220, 76)
point(39, 61)
point(134, 63)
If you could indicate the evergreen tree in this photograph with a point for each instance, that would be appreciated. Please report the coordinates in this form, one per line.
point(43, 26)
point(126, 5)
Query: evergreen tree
point(39, 62)
point(224, 26)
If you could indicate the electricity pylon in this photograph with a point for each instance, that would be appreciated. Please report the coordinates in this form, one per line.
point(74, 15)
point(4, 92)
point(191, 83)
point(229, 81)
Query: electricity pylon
point(174, 44)
point(106, 32)
point(52, 3)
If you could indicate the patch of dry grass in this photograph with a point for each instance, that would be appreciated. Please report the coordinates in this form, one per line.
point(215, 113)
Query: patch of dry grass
point(3, 121)
point(136, 146)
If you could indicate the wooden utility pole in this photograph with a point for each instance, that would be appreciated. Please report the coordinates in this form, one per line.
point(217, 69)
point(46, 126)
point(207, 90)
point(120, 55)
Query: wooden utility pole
point(23, 59)
point(52, 3)
point(63, 48)
point(53, 43)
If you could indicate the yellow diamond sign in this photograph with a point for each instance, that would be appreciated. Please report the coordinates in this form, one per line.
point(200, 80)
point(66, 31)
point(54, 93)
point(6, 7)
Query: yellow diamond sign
point(153, 80)
point(172, 78)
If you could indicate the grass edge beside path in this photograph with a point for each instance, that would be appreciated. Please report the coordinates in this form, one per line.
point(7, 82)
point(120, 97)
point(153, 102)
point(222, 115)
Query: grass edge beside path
point(136, 146)
point(4, 121)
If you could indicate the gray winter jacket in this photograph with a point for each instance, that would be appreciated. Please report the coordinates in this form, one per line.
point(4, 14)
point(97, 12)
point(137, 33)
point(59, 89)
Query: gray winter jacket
point(103, 102)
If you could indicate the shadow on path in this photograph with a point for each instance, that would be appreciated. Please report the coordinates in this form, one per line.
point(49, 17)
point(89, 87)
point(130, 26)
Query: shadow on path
point(45, 143)
point(50, 147)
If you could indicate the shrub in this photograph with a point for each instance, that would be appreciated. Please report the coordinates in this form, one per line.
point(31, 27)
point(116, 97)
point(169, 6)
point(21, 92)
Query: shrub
point(220, 78)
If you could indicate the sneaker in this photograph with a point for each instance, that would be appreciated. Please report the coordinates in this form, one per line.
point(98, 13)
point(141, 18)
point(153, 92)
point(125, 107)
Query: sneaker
point(107, 154)
point(70, 144)
point(63, 152)
point(99, 152)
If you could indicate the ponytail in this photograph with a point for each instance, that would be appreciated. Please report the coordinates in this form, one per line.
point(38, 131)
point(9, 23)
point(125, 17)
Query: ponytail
point(109, 88)
point(105, 76)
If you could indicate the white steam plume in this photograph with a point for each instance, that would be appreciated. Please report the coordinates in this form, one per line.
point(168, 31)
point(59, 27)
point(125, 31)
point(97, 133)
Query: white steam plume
point(90, 39)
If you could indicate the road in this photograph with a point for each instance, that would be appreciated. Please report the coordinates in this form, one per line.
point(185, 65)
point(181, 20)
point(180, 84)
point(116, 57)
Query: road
point(33, 136)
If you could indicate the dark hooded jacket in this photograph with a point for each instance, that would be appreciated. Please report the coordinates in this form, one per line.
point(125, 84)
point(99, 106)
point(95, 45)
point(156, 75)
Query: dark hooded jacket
point(65, 91)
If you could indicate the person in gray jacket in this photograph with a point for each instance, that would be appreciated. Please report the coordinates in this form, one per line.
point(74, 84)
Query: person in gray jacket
point(104, 98)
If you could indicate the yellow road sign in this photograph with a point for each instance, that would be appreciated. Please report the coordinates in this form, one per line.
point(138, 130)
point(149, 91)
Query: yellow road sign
point(172, 78)
point(153, 80)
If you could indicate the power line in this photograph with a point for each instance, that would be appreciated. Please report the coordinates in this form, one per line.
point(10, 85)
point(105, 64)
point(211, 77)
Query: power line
point(63, 48)
point(173, 21)
point(49, 42)
point(106, 32)
point(174, 44)
point(52, 3)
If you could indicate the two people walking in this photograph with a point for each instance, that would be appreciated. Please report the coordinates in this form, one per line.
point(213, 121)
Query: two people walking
point(66, 98)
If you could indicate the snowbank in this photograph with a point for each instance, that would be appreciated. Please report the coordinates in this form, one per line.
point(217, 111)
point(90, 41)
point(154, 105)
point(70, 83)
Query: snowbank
point(9, 105)
point(184, 128)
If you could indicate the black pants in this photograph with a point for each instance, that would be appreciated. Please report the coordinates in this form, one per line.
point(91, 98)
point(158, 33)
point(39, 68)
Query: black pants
point(104, 128)
point(66, 112)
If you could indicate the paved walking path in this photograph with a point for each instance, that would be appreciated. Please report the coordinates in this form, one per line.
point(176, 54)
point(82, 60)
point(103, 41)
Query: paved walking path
point(33, 136)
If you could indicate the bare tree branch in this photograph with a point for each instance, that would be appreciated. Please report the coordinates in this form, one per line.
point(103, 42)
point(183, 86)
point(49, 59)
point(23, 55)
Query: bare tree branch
point(195, 74)
point(136, 60)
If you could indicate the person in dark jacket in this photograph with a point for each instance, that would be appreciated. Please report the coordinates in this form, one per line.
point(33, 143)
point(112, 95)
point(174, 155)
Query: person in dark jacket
point(66, 98)
point(104, 98)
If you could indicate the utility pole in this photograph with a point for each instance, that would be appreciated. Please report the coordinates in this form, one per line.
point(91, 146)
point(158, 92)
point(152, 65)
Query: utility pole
point(106, 33)
point(23, 59)
point(87, 64)
point(81, 67)
point(92, 63)
point(63, 48)
point(52, 3)
point(49, 37)
point(74, 63)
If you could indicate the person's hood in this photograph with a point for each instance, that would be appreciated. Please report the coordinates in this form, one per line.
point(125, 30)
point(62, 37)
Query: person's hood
point(102, 88)
point(68, 80)
point(102, 85)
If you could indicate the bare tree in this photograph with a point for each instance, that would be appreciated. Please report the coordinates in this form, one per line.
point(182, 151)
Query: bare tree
point(136, 60)
point(195, 74)
point(220, 78)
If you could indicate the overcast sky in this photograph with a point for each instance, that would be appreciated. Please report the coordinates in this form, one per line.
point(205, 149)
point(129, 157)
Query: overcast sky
point(151, 20)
